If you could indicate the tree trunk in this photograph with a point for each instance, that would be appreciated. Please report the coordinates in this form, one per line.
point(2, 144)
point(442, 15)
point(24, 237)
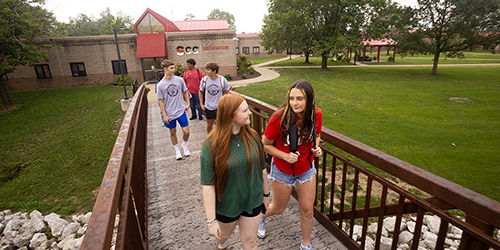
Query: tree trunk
point(324, 61)
point(435, 64)
point(7, 103)
point(307, 56)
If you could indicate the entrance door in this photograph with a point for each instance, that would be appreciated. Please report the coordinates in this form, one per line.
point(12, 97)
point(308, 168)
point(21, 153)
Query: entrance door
point(151, 69)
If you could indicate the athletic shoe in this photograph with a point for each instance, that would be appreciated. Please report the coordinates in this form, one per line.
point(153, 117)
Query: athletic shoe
point(217, 246)
point(262, 229)
point(186, 150)
point(201, 118)
point(193, 117)
point(308, 247)
point(178, 154)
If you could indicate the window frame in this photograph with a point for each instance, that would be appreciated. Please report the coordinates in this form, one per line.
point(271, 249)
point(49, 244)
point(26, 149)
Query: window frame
point(256, 49)
point(246, 50)
point(79, 72)
point(115, 63)
point(44, 69)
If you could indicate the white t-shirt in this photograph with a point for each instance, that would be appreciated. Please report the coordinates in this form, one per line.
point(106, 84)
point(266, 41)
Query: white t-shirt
point(213, 90)
point(171, 92)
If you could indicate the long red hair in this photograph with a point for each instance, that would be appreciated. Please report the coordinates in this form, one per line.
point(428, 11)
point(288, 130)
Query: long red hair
point(220, 138)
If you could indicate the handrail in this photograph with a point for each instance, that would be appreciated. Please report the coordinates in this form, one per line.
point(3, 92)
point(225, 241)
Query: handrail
point(123, 188)
point(482, 213)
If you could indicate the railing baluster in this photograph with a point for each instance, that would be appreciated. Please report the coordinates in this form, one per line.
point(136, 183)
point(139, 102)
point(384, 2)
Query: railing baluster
point(366, 215)
point(354, 200)
point(332, 189)
point(418, 228)
point(342, 195)
point(399, 218)
point(323, 184)
point(381, 217)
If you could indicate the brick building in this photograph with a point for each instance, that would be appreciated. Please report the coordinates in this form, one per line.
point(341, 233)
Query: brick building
point(93, 60)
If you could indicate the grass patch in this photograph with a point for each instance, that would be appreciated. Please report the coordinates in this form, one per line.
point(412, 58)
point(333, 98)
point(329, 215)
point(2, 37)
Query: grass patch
point(257, 60)
point(446, 124)
point(55, 147)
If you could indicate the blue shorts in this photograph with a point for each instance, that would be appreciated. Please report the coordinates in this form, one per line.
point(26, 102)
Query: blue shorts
point(290, 180)
point(183, 121)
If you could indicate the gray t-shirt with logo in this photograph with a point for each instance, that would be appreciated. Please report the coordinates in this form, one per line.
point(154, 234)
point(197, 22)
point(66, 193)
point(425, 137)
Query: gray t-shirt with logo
point(171, 92)
point(213, 90)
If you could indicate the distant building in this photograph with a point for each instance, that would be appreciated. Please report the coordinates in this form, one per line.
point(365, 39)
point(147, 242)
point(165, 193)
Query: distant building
point(93, 60)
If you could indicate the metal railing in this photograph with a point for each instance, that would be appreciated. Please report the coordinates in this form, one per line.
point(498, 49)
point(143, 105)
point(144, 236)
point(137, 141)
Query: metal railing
point(123, 191)
point(381, 197)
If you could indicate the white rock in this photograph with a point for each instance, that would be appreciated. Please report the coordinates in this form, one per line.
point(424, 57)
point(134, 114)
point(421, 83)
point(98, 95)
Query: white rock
point(405, 237)
point(385, 243)
point(433, 222)
point(36, 214)
point(411, 226)
point(86, 218)
point(372, 228)
point(2, 216)
point(56, 224)
point(403, 246)
point(450, 243)
point(430, 244)
point(38, 224)
point(358, 230)
point(71, 228)
point(23, 239)
point(82, 230)
point(8, 237)
point(2, 227)
point(14, 224)
point(66, 241)
point(456, 230)
point(389, 223)
point(74, 244)
point(39, 239)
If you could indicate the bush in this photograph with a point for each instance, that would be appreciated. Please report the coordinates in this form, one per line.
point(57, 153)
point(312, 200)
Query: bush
point(243, 63)
point(180, 69)
point(252, 70)
point(228, 77)
point(390, 59)
point(128, 80)
point(374, 58)
point(244, 76)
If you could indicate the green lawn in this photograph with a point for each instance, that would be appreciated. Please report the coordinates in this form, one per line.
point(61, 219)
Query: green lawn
point(447, 124)
point(55, 147)
point(470, 58)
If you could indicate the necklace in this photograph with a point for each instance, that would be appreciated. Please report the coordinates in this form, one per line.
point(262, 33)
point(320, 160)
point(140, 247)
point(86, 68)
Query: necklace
point(235, 142)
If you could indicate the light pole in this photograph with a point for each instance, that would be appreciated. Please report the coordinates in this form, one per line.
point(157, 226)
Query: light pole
point(120, 62)
point(238, 44)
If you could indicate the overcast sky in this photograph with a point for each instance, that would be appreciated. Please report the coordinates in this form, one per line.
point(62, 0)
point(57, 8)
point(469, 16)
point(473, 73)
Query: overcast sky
point(247, 14)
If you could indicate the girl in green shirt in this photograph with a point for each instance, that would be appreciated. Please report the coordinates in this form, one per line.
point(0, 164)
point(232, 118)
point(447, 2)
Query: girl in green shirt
point(233, 174)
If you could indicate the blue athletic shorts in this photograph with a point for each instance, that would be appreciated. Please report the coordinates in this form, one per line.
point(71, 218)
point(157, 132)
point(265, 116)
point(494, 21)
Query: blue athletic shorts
point(183, 121)
point(290, 180)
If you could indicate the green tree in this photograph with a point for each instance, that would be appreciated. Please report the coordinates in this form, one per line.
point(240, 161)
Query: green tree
point(218, 14)
point(189, 17)
point(326, 26)
point(84, 25)
point(448, 26)
point(21, 23)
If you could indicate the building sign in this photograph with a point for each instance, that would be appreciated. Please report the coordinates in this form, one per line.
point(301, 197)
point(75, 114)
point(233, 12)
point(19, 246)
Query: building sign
point(181, 50)
point(215, 49)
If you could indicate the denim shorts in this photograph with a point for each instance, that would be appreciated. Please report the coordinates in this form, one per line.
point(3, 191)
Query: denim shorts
point(290, 180)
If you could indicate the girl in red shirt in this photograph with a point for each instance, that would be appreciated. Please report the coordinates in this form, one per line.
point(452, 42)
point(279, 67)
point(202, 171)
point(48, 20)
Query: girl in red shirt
point(294, 167)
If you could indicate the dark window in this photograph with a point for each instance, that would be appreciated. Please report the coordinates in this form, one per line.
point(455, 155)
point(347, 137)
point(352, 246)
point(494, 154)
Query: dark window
point(246, 50)
point(278, 51)
point(116, 67)
point(43, 71)
point(237, 50)
point(78, 69)
point(256, 50)
point(5, 78)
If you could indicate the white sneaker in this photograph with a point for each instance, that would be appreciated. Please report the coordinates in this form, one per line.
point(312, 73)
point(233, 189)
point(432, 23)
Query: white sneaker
point(178, 154)
point(262, 229)
point(186, 150)
point(308, 247)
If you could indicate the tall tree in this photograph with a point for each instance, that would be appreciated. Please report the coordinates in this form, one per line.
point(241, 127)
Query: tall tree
point(218, 14)
point(21, 23)
point(189, 16)
point(328, 26)
point(83, 25)
point(448, 26)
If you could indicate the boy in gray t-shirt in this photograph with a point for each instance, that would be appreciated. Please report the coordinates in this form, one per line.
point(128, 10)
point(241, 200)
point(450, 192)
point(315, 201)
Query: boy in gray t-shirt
point(170, 91)
point(212, 87)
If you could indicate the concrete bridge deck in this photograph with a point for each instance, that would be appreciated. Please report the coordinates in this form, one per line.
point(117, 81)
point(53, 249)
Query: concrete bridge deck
point(176, 213)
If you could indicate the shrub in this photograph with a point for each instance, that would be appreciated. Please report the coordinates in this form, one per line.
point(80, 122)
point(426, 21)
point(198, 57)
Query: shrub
point(243, 62)
point(390, 59)
point(252, 70)
point(228, 76)
point(180, 69)
point(244, 76)
point(128, 80)
point(374, 58)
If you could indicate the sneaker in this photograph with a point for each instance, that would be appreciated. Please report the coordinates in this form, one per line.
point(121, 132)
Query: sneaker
point(178, 154)
point(186, 150)
point(193, 117)
point(308, 247)
point(262, 229)
point(201, 118)
point(217, 246)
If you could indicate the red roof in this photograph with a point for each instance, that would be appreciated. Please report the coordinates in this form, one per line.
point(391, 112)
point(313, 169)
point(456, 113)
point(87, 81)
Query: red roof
point(169, 25)
point(151, 45)
point(379, 42)
point(202, 25)
point(247, 35)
